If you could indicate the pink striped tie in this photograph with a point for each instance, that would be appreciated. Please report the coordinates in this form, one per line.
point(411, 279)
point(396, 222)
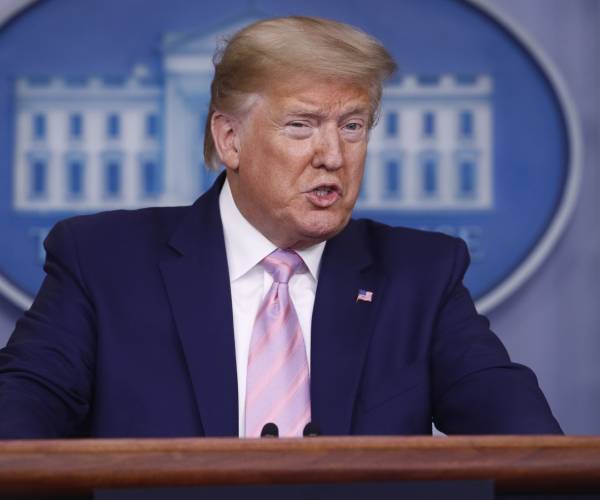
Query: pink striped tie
point(277, 384)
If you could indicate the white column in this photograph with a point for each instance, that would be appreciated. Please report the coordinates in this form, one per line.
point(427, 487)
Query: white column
point(56, 146)
point(21, 165)
point(131, 121)
point(445, 145)
point(410, 177)
point(174, 141)
point(485, 172)
point(94, 142)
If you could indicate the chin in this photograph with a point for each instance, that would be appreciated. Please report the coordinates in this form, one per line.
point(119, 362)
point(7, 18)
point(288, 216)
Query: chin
point(323, 228)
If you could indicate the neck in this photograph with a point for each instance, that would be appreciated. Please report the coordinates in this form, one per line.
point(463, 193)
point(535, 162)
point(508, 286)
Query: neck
point(273, 234)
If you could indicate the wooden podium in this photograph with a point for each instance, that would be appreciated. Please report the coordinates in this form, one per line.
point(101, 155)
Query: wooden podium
point(544, 464)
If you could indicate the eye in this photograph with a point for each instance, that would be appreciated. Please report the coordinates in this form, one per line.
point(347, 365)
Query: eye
point(353, 126)
point(298, 129)
point(354, 130)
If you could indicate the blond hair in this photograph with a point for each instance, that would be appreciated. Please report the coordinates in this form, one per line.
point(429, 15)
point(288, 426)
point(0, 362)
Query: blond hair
point(269, 50)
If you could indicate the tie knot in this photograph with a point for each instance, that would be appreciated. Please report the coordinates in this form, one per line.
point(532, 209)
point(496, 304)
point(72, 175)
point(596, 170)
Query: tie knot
point(282, 264)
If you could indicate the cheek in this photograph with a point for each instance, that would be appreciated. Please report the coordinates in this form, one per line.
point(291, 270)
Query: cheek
point(355, 170)
point(288, 163)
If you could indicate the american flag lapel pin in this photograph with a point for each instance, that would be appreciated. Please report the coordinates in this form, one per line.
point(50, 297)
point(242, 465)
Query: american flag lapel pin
point(364, 295)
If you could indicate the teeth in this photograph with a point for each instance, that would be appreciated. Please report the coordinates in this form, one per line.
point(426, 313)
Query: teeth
point(322, 191)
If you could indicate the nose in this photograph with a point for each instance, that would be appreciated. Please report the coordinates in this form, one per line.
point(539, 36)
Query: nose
point(328, 148)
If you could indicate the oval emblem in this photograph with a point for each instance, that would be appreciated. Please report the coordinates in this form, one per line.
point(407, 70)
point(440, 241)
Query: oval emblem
point(476, 136)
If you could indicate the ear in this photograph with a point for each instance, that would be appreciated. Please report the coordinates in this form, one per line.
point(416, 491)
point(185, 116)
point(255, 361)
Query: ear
point(225, 131)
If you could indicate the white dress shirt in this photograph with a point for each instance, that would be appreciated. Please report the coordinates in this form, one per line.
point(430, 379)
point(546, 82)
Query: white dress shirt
point(246, 247)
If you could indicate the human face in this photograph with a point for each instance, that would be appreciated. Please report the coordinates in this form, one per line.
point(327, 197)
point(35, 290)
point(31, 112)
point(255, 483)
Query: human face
point(301, 153)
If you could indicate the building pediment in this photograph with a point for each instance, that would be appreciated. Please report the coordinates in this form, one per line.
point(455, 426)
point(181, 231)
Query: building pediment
point(202, 41)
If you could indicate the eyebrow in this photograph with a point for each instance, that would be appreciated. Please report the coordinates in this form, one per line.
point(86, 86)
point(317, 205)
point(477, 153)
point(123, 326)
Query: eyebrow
point(356, 110)
point(318, 113)
point(305, 113)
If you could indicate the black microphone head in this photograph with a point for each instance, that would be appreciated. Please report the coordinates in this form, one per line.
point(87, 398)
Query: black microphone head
point(311, 430)
point(269, 430)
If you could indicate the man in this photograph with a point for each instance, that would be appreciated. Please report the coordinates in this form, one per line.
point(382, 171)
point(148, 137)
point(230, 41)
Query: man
point(263, 302)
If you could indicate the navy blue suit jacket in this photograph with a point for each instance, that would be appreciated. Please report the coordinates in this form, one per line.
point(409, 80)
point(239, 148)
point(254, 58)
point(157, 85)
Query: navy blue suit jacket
point(131, 334)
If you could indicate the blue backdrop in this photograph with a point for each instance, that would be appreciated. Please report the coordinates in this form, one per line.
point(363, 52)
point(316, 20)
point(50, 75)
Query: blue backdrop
point(551, 322)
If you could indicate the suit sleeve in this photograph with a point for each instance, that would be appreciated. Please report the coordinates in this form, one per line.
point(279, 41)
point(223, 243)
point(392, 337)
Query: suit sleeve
point(476, 387)
point(47, 368)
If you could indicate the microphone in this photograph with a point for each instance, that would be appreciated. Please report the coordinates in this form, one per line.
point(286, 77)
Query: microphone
point(311, 430)
point(269, 430)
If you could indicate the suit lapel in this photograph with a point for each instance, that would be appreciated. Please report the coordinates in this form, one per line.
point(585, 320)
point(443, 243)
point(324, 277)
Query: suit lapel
point(341, 328)
point(197, 282)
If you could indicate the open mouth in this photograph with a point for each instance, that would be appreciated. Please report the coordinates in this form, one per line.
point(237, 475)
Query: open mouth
point(322, 191)
point(324, 195)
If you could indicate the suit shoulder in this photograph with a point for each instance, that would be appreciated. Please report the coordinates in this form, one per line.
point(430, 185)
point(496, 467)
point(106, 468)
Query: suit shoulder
point(118, 231)
point(424, 258)
point(385, 235)
point(402, 245)
point(124, 221)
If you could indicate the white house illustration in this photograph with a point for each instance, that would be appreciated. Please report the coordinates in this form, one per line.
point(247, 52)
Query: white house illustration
point(127, 141)
point(432, 148)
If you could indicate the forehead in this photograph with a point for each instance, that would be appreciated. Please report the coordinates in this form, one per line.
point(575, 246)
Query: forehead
point(320, 96)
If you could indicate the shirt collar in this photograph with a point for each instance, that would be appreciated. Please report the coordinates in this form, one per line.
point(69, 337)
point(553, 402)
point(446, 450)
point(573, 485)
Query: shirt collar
point(312, 258)
point(246, 246)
